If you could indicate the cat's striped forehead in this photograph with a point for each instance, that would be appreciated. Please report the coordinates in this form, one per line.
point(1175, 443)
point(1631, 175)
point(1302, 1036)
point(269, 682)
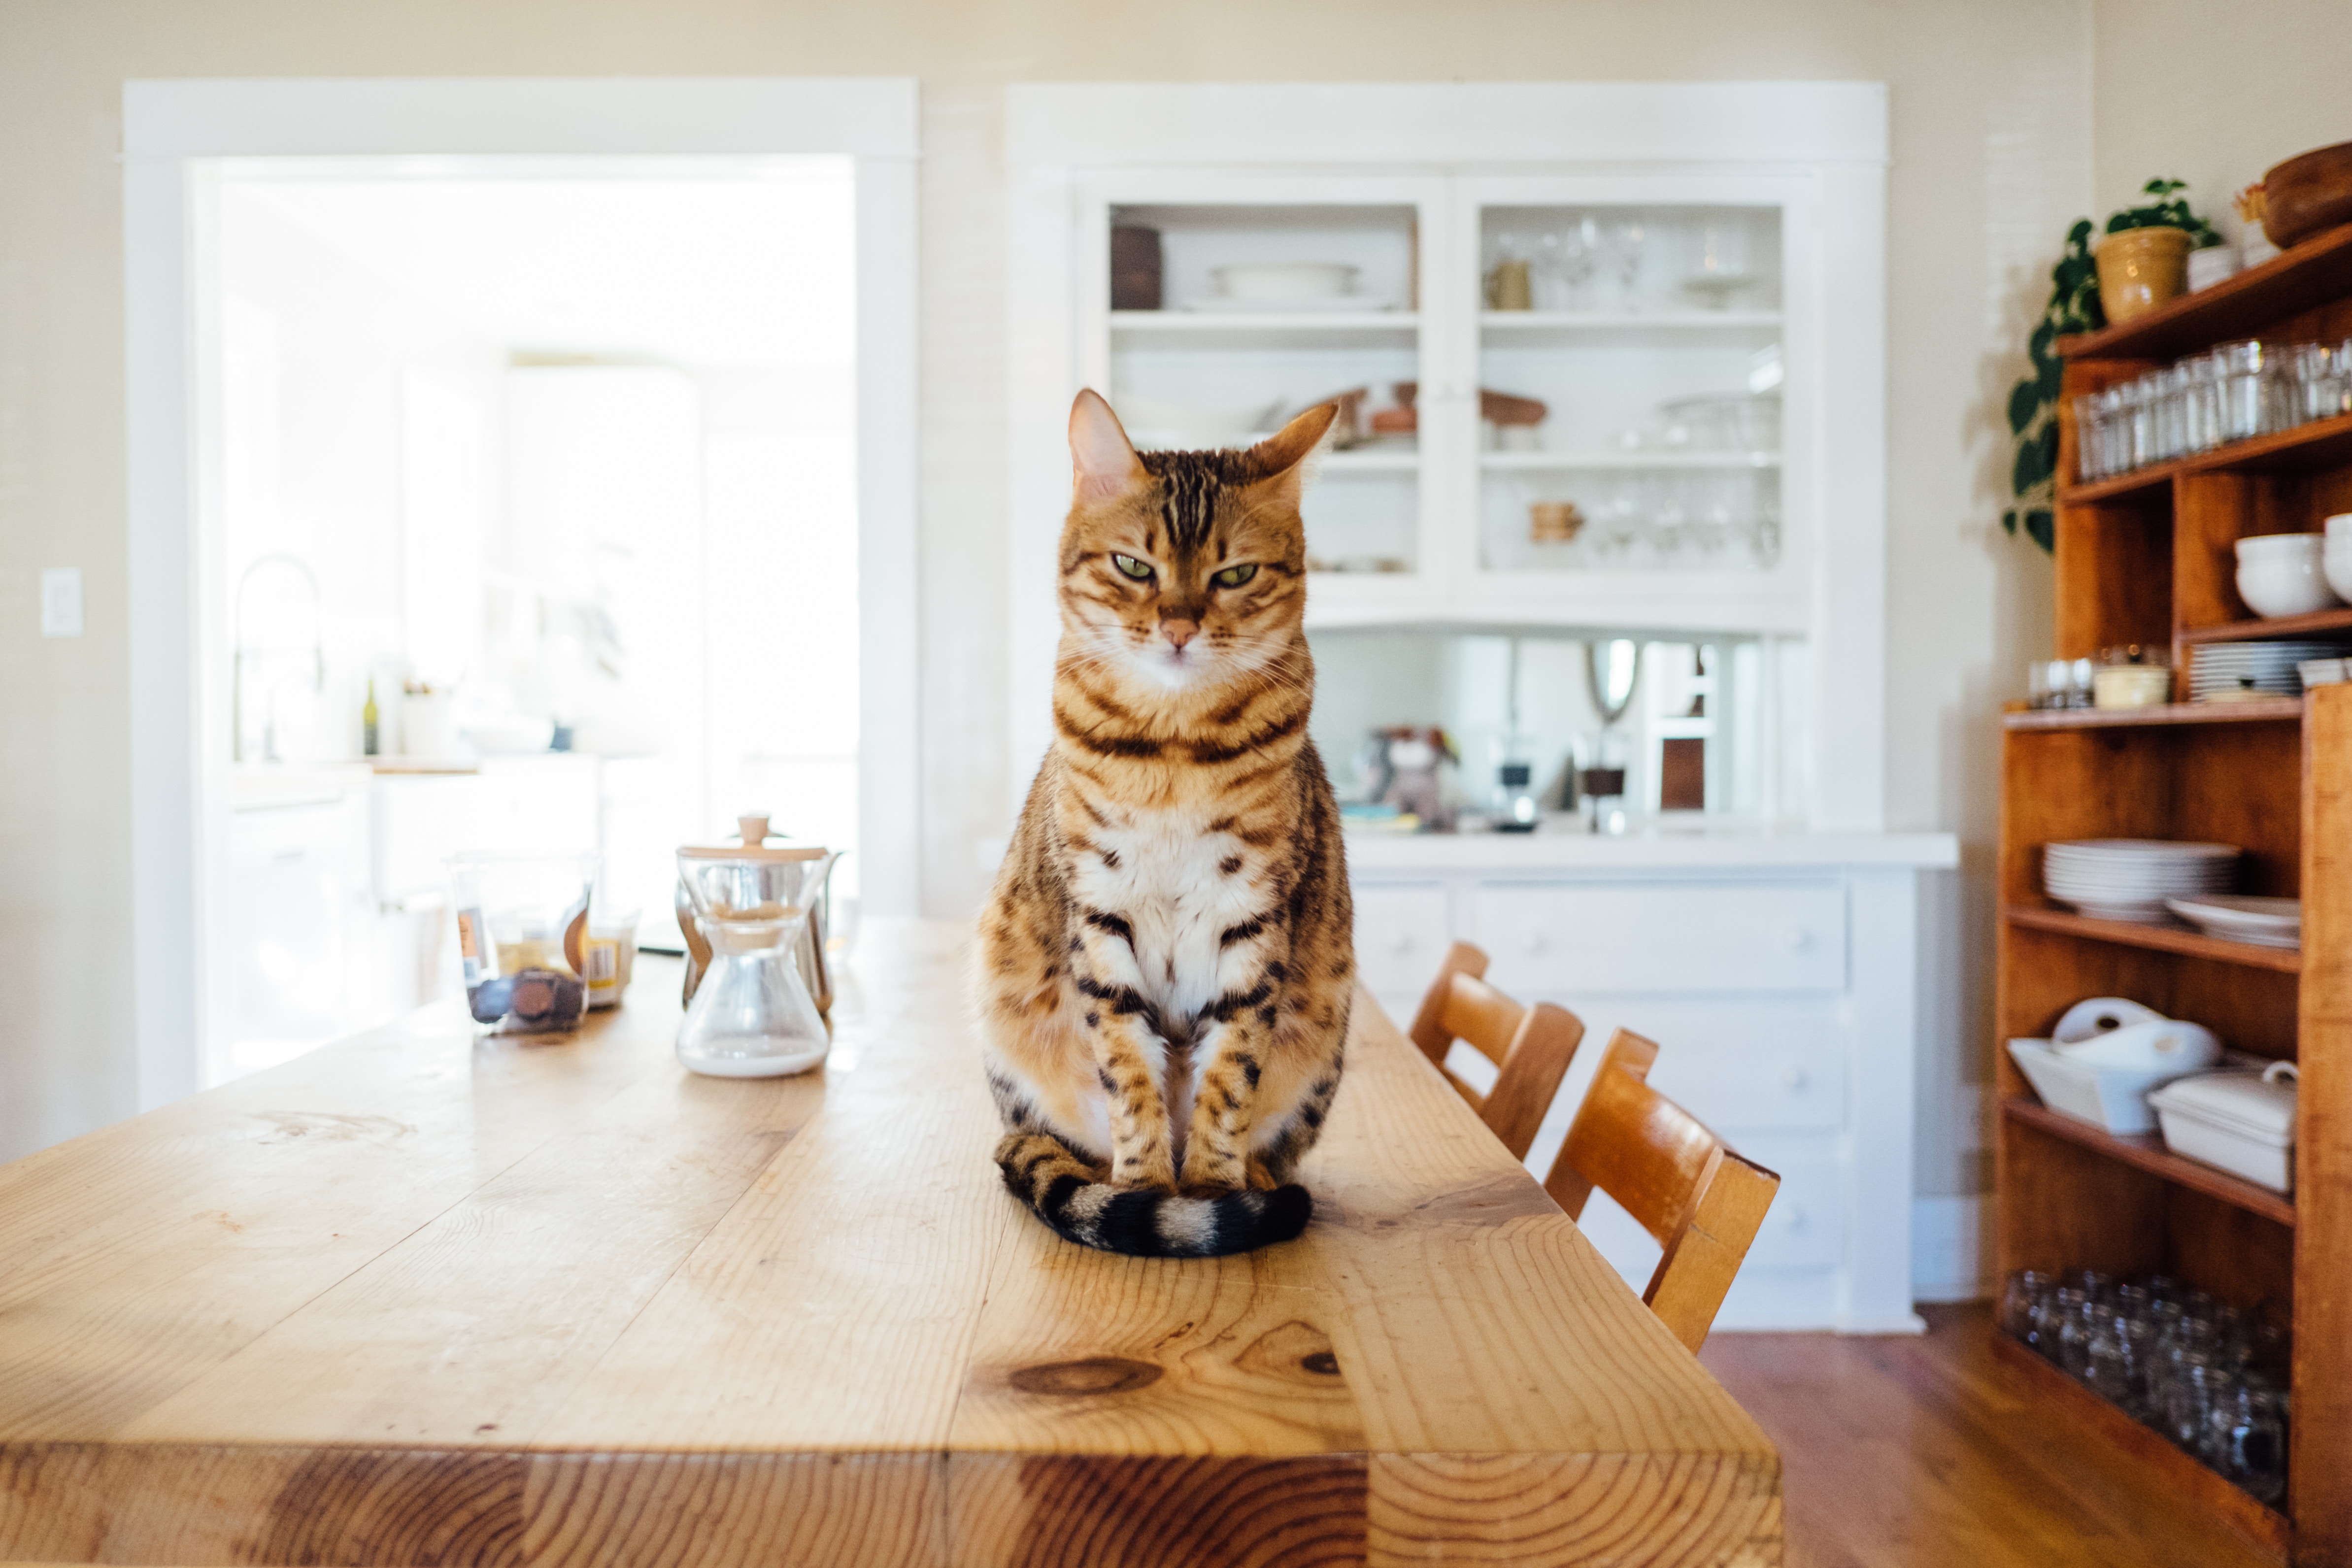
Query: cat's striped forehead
point(1190, 484)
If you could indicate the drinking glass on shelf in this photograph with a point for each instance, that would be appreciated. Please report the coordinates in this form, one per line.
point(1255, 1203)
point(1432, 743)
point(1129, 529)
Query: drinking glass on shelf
point(1626, 241)
point(1563, 264)
point(2314, 369)
point(2189, 1408)
point(2246, 1438)
point(2077, 1317)
point(2139, 413)
point(2025, 1296)
point(2087, 438)
point(2202, 410)
point(2109, 1367)
point(2245, 389)
point(2172, 413)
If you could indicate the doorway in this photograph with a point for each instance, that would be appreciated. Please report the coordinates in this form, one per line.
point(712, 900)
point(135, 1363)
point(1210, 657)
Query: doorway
point(570, 468)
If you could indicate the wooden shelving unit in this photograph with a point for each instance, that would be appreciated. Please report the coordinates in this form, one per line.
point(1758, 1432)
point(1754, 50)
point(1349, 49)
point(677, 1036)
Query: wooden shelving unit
point(2149, 558)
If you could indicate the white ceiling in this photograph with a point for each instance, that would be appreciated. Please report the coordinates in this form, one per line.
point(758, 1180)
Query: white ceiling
point(701, 268)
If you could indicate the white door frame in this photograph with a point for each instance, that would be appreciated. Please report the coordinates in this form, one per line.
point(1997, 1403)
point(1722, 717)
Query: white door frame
point(171, 129)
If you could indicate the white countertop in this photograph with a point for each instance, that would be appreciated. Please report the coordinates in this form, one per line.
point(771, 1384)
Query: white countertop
point(1560, 849)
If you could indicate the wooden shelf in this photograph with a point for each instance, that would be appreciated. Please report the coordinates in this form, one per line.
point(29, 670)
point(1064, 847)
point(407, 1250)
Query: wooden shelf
point(2321, 444)
point(2147, 1152)
point(2319, 621)
point(2145, 557)
point(2171, 1470)
point(2313, 273)
point(2266, 710)
point(2157, 939)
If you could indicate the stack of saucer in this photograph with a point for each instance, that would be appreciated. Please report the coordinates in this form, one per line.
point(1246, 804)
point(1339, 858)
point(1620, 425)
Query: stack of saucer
point(2129, 879)
point(2219, 671)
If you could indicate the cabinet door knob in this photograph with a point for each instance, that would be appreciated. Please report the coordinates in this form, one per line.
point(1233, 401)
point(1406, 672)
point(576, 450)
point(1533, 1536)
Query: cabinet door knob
point(1791, 1217)
point(1798, 940)
point(1400, 942)
point(1535, 943)
point(1794, 1077)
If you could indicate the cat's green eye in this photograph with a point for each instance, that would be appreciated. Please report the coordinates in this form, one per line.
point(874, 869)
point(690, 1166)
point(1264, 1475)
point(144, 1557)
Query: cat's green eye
point(1130, 566)
point(1234, 575)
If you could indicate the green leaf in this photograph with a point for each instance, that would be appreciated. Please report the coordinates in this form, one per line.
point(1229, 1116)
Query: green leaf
point(2042, 529)
point(2032, 467)
point(2009, 521)
point(2025, 402)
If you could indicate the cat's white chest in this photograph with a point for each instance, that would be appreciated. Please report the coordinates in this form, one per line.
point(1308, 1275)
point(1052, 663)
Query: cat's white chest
point(1164, 874)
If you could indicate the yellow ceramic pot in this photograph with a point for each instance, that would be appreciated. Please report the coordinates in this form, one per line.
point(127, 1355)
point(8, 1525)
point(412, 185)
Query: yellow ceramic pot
point(2140, 269)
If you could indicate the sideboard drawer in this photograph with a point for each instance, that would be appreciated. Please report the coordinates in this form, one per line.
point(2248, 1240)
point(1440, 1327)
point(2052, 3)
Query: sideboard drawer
point(1764, 1083)
point(1400, 938)
point(1593, 938)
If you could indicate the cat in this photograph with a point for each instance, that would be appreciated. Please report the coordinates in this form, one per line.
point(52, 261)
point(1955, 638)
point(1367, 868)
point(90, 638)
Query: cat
point(1166, 961)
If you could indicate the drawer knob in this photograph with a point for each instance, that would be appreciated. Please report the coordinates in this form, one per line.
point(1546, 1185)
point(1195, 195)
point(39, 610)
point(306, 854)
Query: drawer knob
point(1535, 943)
point(1798, 940)
point(1791, 1217)
point(1400, 942)
point(1794, 1077)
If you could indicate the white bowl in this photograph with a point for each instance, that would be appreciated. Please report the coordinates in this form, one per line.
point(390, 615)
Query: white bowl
point(2340, 530)
point(1285, 279)
point(2336, 567)
point(2283, 585)
point(2271, 546)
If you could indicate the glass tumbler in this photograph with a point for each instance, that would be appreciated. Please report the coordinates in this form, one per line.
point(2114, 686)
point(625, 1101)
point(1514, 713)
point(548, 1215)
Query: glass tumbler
point(2243, 390)
point(2077, 1320)
point(2020, 1302)
point(2246, 1439)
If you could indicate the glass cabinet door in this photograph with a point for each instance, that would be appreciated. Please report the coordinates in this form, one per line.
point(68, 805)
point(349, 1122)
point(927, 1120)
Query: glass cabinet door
point(1630, 373)
point(1226, 317)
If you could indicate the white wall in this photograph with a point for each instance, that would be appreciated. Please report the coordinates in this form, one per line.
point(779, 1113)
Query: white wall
point(1992, 156)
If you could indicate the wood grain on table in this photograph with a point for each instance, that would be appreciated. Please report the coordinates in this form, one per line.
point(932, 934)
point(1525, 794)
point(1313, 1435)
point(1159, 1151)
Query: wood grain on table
point(416, 1299)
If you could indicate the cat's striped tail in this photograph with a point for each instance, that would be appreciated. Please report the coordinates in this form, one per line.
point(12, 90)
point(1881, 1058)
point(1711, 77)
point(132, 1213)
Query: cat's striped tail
point(1042, 1172)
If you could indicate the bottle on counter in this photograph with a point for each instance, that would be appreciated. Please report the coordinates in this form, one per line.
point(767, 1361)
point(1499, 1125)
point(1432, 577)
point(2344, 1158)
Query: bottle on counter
point(368, 718)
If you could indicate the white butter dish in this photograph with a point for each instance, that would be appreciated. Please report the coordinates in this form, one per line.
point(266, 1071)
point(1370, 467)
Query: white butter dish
point(2237, 1121)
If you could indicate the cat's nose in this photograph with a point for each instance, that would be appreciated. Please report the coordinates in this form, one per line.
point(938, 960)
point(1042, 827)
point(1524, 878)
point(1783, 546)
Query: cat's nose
point(1180, 633)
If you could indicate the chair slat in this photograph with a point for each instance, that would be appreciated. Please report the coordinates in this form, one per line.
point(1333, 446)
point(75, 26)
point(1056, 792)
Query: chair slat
point(1482, 1017)
point(1428, 1030)
point(1700, 1201)
point(1541, 1051)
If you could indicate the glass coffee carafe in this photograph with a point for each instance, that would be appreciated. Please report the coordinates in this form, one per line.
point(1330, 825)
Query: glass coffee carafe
point(753, 1016)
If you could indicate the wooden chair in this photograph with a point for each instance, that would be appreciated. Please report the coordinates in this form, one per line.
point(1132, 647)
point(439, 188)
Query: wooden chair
point(1701, 1202)
point(1530, 1047)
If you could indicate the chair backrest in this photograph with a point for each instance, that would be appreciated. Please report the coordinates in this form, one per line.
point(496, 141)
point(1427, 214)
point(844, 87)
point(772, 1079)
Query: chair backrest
point(1530, 1047)
point(1699, 1200)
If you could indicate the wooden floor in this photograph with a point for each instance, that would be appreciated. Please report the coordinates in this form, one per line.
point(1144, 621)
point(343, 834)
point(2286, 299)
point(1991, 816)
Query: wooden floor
point(1918, 1452)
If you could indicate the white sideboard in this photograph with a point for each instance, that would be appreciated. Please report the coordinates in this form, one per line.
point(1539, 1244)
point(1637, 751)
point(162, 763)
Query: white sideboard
point(1781, 976)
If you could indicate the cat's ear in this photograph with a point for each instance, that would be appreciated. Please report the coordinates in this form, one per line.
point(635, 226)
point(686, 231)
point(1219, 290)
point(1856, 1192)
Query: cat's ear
point(1287, 459)
point(1104, 459)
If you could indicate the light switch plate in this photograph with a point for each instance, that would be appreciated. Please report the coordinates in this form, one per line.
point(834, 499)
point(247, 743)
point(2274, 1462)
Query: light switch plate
point(61, 601)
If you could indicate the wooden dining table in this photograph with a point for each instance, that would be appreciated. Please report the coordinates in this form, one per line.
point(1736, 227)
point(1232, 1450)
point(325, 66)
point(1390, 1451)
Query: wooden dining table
point(420, 1298)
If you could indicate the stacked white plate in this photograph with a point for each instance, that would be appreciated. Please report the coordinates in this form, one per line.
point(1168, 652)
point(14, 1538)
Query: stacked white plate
point(2265, 922)
point(2130, 879)
point(2220, 671)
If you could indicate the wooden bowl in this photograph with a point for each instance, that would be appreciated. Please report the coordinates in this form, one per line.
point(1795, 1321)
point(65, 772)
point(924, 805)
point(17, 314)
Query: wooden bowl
point(2307, 195)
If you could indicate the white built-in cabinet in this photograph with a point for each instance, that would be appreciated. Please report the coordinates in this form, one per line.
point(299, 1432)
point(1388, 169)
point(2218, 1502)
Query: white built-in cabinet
point(1701, 320)
point(1706, 330)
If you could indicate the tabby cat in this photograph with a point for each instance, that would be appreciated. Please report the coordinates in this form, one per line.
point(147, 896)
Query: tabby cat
point(1165, 964)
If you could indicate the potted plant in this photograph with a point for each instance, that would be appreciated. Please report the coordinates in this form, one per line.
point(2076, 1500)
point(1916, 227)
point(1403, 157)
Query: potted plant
point(2144, 259)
